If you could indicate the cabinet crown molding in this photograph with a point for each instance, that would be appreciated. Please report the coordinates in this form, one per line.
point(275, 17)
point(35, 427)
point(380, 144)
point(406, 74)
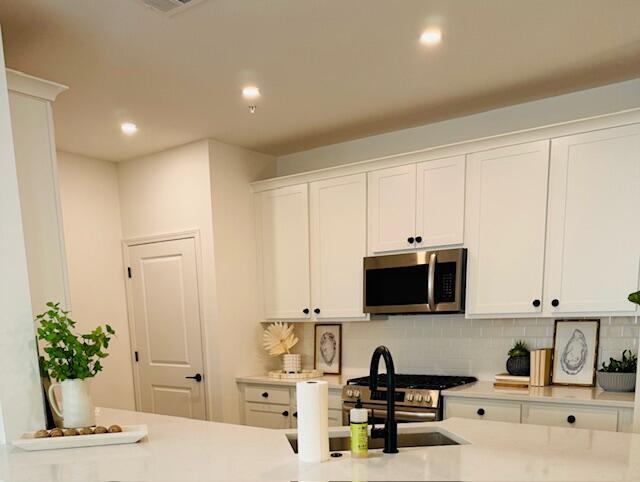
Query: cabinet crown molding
point(33, 86)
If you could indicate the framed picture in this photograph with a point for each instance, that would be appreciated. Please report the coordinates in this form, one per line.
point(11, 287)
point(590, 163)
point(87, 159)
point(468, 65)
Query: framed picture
point(575, 352)
point(327, 348)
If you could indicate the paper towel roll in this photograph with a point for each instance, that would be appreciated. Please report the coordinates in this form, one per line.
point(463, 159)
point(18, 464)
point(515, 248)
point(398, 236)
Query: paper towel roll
point(313, 421)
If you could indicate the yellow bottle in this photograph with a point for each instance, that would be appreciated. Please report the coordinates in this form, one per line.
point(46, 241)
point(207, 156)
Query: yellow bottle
point(358, 418)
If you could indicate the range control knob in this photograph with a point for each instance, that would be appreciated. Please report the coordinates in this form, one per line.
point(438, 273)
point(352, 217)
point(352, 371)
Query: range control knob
point(427, 398)
point(349, 393)
point(410, 397)
point(418, 398)
point(356, 393)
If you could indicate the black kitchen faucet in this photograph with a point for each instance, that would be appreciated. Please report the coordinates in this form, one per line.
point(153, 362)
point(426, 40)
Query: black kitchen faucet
point(390, 430)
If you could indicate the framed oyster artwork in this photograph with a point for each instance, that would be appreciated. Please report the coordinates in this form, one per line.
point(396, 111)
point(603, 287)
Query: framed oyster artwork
point(327, 348)
point(575, 352)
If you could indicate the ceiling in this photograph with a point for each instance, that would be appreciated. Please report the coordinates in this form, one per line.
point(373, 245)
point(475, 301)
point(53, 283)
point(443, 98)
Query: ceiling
point(329, 70)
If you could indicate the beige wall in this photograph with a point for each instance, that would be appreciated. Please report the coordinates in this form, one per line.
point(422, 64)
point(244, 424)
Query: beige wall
point(586, 103)
point(238, 310)
point(91, 212)
point(169, 192)
point(21, 407)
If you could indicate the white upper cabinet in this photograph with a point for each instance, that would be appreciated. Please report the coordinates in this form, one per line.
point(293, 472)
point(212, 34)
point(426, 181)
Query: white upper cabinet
point(392, 208)
point(440, 202)
point(283, 232)
point(338, 214)
point(417, 205)
point(593, 250)
point(505, 229)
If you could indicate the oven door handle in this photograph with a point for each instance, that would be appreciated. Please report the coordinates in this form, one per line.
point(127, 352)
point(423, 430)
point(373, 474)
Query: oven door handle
point(433, 260)
point(418, 416)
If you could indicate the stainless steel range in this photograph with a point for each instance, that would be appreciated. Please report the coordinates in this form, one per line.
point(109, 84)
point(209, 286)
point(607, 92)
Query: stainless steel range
point(418, 397)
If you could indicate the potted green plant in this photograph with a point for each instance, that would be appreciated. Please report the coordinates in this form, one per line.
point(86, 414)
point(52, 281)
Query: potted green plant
point(71, 360)
point(519, 361)
point(619, 375)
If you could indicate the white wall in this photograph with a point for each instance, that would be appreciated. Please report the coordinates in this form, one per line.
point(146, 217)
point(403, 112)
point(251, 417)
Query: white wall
point(170, 192)
point(453, 345)
point(92, 228)
point(21, 407)
point(238, 310)
point(587, 103)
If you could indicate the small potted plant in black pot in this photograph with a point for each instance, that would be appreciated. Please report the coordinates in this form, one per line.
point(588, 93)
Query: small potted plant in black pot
point(519, 362)
point(619, 375)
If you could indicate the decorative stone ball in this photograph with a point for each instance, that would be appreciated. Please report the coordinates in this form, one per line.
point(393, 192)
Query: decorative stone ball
point(41, 434)
point(115, 429)
point(70, 432)
point(85, 431)
point(100, 429)
point(56, 432)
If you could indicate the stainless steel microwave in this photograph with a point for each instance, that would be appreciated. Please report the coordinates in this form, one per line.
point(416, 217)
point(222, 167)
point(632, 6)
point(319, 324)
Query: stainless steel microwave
point(422, 282)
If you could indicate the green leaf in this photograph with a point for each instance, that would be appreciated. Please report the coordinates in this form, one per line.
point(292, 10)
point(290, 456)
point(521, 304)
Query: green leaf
point(635, 297)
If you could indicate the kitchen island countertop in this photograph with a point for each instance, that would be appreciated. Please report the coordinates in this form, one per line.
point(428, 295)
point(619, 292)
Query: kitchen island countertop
point(179, 449)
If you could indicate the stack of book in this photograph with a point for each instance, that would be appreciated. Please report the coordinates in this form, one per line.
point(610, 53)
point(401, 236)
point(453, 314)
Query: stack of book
point(541, 367)
point(504, 380)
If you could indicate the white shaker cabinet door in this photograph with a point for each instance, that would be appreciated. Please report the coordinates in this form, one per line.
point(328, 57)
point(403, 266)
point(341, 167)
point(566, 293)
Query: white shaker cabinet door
point(392, 208)
point(338, 215)
point(505, 229)
point(283, 253)
point(440, 202)
point(593, 250)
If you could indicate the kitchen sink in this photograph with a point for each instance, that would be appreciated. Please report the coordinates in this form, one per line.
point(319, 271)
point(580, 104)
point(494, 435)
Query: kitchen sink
point(342, 443)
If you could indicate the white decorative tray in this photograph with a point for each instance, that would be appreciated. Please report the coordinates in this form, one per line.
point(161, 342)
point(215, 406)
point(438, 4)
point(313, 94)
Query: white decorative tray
point(296, 376)
point(130, 434)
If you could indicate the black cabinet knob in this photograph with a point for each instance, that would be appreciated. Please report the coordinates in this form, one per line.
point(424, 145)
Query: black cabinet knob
point(306, 311)
point(571, 419)
point(418, 239)
point(316, 311)
point(536, 303)
point(555, 303)
point(285, 414)
point(197, 377)
point(295, 414)
point(265, 395)
point(480, 411)
point(410, 240)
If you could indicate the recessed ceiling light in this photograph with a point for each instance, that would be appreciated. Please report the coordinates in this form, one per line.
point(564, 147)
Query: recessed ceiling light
point(128, 128)
point(432, 36)
point(251, 92)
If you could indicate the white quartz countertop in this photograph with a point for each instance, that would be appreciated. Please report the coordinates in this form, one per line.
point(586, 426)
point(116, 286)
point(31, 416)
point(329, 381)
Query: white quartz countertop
point(179, 449)
point(554, 394)
point(335, 381)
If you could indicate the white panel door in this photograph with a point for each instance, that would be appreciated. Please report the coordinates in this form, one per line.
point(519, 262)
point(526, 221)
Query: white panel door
point(392, 208)
point(505, 229)
point(338, 215)
point(166, 317)
point(440, 202)
point(593, 251)
point(283, 240)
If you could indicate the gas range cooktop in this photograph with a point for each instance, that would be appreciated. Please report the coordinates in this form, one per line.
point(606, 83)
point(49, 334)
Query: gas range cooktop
point(418, 382)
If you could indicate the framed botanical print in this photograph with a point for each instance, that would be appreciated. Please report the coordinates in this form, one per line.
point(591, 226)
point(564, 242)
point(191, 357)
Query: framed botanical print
point(575, 352)
point(327, 348)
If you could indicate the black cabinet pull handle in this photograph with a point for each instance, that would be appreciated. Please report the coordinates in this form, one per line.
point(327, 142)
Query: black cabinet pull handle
point(306, 311)
point(285, 414)
point(555, 303)
point(536, 303)
point(197, 377)
point(265, 395)
point(418, 239)
point(316, 311)
point(295, 414)
point(480, 411)
point(410, 240)
point(571, 419)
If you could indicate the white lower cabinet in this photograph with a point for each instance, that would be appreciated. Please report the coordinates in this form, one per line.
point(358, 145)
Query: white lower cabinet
point(553, 414)
point(483, 409)
point(270, 406)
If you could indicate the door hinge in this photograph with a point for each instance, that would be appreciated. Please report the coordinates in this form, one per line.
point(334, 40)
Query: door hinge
point(129, 271)
point(135, 353)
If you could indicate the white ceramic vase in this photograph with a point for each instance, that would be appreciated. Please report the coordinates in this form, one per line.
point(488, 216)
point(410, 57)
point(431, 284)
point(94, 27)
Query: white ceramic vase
point(292, 363)
point(77, 406)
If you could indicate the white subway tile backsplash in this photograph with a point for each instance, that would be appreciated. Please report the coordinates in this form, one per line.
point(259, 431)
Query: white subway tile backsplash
point(451, 344)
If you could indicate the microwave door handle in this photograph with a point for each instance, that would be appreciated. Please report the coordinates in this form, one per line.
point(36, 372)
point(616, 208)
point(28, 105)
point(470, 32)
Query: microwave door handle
point(431, 282)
